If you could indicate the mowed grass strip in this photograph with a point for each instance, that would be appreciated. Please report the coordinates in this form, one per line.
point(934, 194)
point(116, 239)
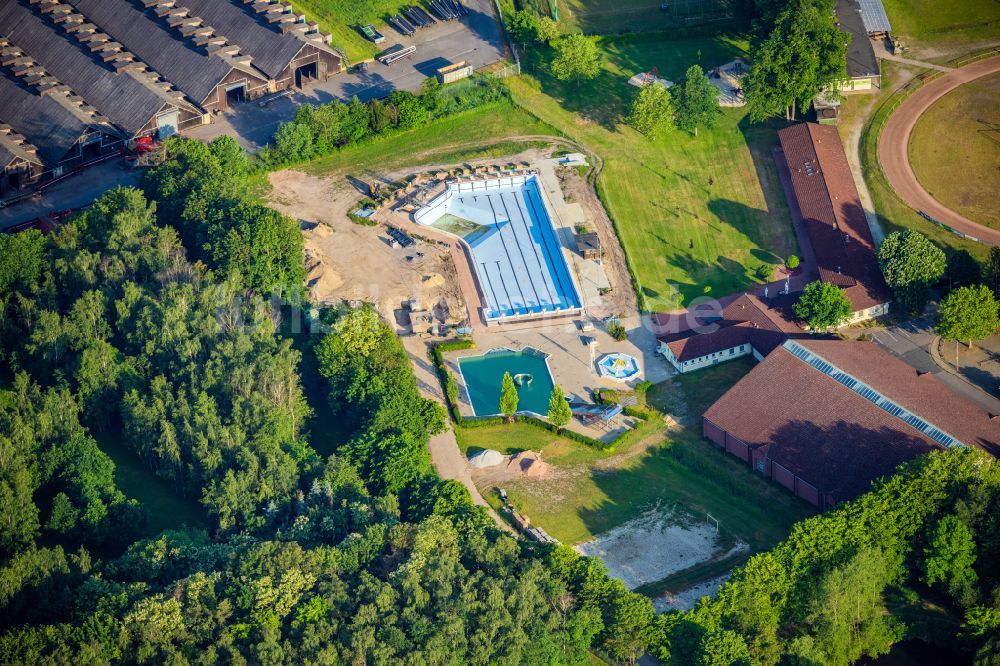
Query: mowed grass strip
point(954, 149)
point(698, 215)
point(341, 19)
point(936, 21)
point(488, 131)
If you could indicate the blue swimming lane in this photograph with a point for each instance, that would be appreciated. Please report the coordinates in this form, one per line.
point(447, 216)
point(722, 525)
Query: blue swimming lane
point(517, 258)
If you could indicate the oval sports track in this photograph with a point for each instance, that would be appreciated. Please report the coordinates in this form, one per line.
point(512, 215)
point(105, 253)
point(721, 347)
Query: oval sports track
point(893, 149)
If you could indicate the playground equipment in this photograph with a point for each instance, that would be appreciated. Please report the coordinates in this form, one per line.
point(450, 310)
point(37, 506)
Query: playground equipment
point(618, 366)
point(652, 76)
point(591, 413)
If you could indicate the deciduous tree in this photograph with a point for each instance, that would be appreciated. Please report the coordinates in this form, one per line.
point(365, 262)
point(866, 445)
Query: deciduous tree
point(948, 558)
point(967, 314)
point(911, 263)
point(697, 101)
point(652, 111)
point(576, 58)
point(803, 53)
point(822, 305)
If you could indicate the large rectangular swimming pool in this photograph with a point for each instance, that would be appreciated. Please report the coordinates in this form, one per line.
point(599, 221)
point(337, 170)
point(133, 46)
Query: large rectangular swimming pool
point(517, 257)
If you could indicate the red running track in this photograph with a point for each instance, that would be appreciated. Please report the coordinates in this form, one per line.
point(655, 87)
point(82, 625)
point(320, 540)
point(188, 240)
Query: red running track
point(893, 151)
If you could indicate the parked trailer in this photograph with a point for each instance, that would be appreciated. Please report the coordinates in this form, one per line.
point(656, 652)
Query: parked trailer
point(442, 12)
point(425, 17)
point(396, 52)
point(401, 25)
point(416, 19)
point(455, 72)
point(372, 34)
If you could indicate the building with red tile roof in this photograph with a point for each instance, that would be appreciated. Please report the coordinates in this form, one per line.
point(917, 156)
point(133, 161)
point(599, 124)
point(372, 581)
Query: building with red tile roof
point(744, 326)
point(825, 418)
point(833, 217)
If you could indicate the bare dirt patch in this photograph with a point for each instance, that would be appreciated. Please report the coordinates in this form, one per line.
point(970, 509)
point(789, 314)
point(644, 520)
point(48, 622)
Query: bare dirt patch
point(347, 261)
point(686, 599)
point(621, 299)
point(653, 546)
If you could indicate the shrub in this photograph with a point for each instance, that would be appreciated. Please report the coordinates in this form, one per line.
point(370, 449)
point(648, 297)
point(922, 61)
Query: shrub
point(792, 262)
point(617, 331)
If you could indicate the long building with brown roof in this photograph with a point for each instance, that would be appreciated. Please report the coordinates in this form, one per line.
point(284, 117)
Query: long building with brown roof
point(833, 217)
point(120, 70)
point(825, 418)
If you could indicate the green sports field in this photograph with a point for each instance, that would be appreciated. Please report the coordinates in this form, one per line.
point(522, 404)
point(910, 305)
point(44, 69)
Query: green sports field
point(962, 172)
point(697, 215)
point(944, 21)
point(624, 16)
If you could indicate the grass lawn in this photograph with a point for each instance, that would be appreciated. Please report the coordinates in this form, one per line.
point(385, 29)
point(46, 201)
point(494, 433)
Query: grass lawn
point(620, 16)
point(516, 437)
point(934, 21)
point(688, 396)
point(584, 501)
point(658, 191)
point(341, 18)
point(893, 214)
point(490, 131)
point(165, 509)
point(961, 172)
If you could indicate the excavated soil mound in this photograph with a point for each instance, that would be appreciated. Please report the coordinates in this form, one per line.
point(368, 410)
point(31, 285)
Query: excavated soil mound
point(528, 463)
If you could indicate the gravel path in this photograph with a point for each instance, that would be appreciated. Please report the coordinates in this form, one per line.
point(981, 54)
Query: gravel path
point(894, 142)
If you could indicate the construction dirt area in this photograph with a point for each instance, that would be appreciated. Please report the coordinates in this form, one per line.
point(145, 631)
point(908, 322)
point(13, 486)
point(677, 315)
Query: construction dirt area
point(350, 261)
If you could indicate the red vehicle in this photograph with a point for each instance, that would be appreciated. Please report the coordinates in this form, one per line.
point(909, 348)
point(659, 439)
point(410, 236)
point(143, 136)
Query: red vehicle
point(45, 223)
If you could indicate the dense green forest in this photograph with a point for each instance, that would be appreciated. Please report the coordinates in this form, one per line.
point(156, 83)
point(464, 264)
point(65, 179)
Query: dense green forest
point(157, 315)
point(160, 317)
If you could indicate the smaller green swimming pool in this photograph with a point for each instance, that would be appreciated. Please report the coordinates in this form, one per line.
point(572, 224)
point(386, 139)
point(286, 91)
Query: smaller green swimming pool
point(483, 375)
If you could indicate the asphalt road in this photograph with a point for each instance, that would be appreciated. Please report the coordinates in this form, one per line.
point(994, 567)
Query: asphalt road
point(74, 192)
point(476, 38)
point(911, 342)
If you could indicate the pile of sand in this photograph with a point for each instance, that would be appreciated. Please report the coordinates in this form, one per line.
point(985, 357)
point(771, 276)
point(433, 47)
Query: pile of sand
point(486, 458)
point(322, 280)
point(528, 463)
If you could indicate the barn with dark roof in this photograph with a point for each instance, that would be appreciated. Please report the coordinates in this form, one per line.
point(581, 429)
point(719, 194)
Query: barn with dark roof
point(87, 76)
point(825, 418)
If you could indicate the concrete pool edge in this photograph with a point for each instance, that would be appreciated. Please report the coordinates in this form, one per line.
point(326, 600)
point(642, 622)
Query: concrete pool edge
point(553, 256)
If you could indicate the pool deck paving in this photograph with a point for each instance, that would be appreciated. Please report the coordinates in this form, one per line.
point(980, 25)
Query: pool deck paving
point(570, 361)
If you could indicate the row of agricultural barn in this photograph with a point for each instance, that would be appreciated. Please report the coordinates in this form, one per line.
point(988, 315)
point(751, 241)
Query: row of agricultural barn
point(80, 79)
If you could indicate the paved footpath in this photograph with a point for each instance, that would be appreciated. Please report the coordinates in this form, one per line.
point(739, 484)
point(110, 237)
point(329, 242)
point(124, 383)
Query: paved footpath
point(446, 457)
point(894, 155)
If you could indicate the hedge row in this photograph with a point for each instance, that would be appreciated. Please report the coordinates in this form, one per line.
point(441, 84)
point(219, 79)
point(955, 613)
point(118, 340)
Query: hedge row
point(450, 386)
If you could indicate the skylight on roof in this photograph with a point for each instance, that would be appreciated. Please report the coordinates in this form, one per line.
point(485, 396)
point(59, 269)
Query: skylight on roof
point(871, 395)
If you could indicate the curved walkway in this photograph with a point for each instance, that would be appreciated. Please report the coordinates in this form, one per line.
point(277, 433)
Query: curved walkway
point(893, 153)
